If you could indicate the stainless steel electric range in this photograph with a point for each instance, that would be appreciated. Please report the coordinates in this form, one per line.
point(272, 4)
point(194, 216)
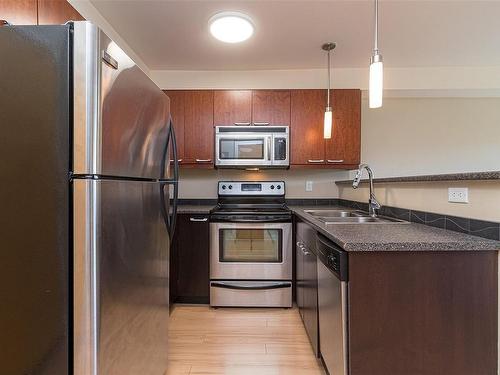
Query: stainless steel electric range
point(251, 245)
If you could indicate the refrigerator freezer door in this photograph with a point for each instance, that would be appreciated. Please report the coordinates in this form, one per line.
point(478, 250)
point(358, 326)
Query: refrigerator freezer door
point(34, 225)
point(121, 278)
point(121, 116)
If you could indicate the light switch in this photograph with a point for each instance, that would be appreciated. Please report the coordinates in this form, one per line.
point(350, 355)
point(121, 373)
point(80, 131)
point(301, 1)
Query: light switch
point(309, 186)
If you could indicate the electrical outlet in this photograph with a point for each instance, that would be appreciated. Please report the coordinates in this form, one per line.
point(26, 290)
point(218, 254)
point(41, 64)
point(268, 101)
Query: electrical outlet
point(309, 186)
point(458, 195)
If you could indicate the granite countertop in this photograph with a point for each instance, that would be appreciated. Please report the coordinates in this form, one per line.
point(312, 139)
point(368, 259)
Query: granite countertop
point(194, 209)
point(394, 237)
point(471, 176)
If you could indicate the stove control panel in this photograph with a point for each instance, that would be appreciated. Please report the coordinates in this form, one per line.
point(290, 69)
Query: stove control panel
point(251, 188)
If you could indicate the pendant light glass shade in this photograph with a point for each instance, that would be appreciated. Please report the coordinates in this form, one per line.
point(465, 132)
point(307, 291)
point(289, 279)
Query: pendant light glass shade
point(327, 126)
point(376, 84)
point(328, 120)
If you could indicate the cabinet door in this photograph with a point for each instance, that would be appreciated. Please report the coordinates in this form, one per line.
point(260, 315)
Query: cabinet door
point(177, 113)
point(307, 115)
point(199, 127)
point(192, 252)
point(232, 106)
point(56, 12)
point(344, 147)
point(19, 12)
point(271, 106)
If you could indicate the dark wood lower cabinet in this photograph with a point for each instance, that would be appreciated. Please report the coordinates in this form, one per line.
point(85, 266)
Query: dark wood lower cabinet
point(423, 313)
point(189, 260)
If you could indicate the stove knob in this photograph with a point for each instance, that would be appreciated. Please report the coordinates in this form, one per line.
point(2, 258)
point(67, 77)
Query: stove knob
point(278, 187)
point(223, 187)
point(272, 187)
point(230, 187)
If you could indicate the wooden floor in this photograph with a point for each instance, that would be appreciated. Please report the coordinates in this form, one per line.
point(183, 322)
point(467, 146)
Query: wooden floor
point(239, 342)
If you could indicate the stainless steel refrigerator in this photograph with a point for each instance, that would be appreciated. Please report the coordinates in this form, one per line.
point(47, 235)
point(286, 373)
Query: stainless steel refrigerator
point(88, 185)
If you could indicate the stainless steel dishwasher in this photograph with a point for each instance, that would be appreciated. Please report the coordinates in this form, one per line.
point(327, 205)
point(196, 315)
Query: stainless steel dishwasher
point(332, 305)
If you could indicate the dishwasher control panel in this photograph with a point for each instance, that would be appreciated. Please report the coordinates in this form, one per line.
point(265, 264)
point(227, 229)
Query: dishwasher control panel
point(332, 256)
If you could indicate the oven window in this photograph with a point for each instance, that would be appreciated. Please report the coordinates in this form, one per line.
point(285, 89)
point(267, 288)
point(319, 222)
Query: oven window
point(241, 148)
point(251, 245)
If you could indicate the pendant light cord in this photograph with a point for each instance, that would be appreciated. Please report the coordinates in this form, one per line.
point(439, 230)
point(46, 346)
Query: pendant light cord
point(375, 49)
point(328, 91)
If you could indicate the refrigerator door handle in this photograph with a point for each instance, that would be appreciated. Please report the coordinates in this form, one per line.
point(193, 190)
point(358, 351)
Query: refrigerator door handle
point(170, 218)
point(173, 219)
point(174, 149)
point(166, 160)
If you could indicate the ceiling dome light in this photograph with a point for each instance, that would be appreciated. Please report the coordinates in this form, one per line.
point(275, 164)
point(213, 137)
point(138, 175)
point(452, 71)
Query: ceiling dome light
point(231, 27)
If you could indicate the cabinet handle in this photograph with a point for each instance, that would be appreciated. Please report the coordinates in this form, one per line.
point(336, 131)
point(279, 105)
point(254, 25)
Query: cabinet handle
point(335, 161)
point(203, 160)
point(261, 123)
point(172, 160)
point(242, 123)
point(198, 220)
point(316, 161)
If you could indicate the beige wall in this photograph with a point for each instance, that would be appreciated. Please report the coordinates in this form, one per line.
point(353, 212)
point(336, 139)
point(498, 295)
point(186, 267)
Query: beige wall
point(484, 197)
point(415, 136)
point(203, 183)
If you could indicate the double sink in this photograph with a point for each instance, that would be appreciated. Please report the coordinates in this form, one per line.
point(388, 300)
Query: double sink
point(338, 216)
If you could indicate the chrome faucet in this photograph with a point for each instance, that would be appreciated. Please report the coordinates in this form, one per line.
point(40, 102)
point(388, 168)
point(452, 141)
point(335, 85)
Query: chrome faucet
point(372, 201)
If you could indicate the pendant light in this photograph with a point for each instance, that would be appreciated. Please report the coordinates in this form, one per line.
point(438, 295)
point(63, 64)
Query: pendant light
point(376, 85)
point(327, 125)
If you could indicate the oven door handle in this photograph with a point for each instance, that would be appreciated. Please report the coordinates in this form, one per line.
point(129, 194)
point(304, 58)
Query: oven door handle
point(263, 220)
point(241, 285)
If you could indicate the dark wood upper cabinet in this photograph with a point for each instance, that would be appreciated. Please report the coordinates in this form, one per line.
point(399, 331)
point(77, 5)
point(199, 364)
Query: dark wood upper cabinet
point(232, 106)
point(306, 139)
point(177, 113)
point(56, 12)
point(271, 106)
point(19, 12)
point(345, 145)
point(41, 12)
point(199, 127)
point(308, 147)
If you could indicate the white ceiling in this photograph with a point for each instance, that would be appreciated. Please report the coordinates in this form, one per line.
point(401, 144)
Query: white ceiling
point(173, 35)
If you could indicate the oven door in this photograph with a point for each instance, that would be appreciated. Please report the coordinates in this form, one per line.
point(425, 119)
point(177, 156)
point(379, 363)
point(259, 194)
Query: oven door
point(240, 150)
point(251, 251)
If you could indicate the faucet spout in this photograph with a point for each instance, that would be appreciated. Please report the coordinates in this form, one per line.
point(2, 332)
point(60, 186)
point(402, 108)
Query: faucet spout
point(373, 204)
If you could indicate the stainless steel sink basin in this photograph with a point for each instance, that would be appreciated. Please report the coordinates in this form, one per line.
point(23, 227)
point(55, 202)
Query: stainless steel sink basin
point(331, 217)
point(335, 213)
point(361, 220)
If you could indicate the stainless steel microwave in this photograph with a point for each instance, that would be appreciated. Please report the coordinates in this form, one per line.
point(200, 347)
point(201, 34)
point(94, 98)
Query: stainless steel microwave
point(252, 147)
